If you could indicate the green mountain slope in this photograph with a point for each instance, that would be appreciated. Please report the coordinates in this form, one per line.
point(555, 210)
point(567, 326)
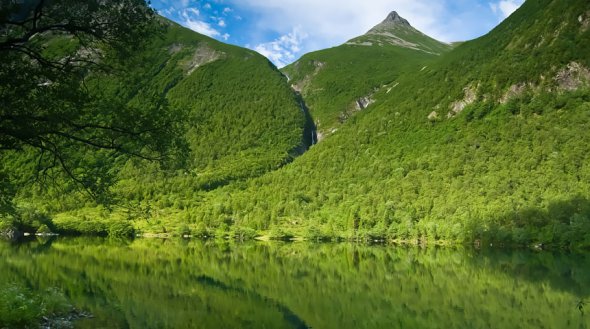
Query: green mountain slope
point(236, 115)
point(490, 143)
point(340, 81)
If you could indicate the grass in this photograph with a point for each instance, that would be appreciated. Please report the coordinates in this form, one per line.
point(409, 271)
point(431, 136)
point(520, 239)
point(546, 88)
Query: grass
point(22, 308)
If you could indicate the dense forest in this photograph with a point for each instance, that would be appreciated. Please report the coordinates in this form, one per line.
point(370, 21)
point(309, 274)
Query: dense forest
point(486, 142)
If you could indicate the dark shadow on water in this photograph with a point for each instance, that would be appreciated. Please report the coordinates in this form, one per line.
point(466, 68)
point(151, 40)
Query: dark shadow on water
point(288, 314)
point(559, 236)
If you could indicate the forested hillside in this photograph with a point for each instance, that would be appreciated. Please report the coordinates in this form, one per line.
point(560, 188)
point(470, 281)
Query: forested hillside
point(338, 82)
point(231, 115)
point(490, 143)
point(487, 142)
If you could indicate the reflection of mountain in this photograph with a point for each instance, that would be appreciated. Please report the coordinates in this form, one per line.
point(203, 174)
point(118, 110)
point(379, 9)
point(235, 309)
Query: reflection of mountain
point(168, 284)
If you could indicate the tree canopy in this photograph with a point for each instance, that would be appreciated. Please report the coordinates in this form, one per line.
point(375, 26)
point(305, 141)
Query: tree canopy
point(50, 50)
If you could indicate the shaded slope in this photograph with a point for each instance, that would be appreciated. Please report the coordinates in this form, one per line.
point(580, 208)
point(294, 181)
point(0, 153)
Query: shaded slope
point(235, 114)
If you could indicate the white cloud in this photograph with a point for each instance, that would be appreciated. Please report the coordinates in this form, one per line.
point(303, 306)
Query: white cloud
point(225, 36)
point(505, 8)
point(328, 23)
point(333, 22)
point(190, 20)
point(201, 27)
point(283, 50)
point(193, 11)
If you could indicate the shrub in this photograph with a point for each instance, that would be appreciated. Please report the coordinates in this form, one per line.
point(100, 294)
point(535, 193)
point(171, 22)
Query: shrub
point(201, 231)
point(43, 229)
point(278, 233)
point(183, 230)
point(21, 308)
point(243, 233)
point(121, 229)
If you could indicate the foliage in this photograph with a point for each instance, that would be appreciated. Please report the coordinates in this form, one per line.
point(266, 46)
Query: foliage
point(6, 224)
point(507, 169)
point(157, 283)
point(22, 308)
point(237, 96)
point(122, 229)
point(43, 229)
point(49, 50)
point(486, 143)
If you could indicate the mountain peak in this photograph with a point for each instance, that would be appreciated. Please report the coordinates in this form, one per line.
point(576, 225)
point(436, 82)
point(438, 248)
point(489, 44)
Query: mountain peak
point(397, 31)
point(395, 18)
point(393, 21)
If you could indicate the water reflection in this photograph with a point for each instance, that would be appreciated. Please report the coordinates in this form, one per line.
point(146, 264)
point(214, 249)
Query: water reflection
point(196, 284)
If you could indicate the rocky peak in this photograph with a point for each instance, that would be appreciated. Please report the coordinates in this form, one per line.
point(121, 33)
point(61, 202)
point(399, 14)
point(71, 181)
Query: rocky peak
point(395, 18)
point(392, 22)
point(397, 31)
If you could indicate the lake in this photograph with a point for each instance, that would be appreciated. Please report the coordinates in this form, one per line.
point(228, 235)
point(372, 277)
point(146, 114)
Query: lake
point(154, 283)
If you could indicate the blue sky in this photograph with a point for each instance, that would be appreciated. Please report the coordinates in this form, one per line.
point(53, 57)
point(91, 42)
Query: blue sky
point(283, 30)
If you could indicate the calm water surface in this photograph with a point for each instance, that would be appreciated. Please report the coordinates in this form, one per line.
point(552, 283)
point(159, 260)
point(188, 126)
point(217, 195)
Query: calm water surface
point(194, 284)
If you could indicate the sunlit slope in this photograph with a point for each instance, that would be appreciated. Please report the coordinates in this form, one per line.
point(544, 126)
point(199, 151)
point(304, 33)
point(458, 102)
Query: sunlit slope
point(338, 82)
point(488, 143)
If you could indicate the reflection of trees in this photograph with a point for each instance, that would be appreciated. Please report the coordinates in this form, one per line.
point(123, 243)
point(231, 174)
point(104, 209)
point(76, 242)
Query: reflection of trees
point(326, 286)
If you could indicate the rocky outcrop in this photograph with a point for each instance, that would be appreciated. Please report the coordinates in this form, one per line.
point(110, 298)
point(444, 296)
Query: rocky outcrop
point(572, 77)
point(202, 55)
point(363, 102)
point(392, 20)
point(11, 233)
point(302, 84)
point(433, 116)
point(513, 92)
point(470, 95)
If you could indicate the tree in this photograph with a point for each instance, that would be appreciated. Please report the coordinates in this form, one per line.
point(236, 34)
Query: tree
point(49, 50)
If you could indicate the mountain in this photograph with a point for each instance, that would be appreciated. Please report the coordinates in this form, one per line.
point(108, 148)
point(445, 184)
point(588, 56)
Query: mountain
point(488, 143)
point(338, 82)
point(484, 143)
point(236, 115)
point(397, 31)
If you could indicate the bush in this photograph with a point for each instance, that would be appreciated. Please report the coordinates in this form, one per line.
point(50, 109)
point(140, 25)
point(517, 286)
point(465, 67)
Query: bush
point(43, 229)
point(222, 231)
point(183, 230)
point(76, 225)
point(277, 233)
point(20, 308)
point(7, 227)
point(121, 229)
point(313, 234)
point(243, 233)
point(201, 231)
point(6, 224)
